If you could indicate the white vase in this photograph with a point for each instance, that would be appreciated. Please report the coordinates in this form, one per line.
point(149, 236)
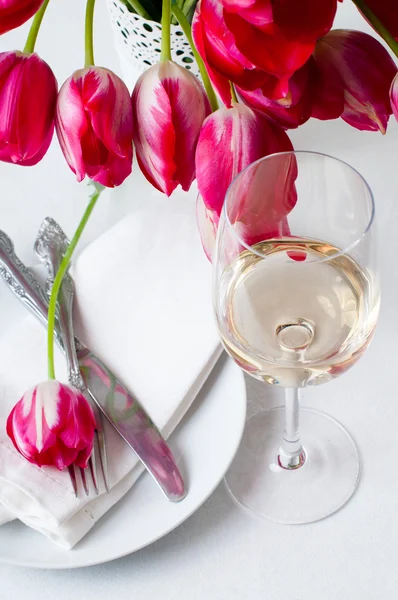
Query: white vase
point(138, 43)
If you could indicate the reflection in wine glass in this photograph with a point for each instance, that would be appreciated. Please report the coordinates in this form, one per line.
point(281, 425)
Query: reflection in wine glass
point(296, 295)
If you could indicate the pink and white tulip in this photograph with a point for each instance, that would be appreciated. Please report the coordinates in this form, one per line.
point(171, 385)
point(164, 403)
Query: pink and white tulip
point(169, 107)
point(94, 123)
point(28, 93)
point(230, 140)
point(52, 424)
point(15, 12)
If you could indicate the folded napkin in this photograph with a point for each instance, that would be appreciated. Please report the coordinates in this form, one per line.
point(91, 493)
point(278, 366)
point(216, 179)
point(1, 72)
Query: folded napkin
point(143, 306)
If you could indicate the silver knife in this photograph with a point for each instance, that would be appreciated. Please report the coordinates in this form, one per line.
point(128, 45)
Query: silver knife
point(122, 410)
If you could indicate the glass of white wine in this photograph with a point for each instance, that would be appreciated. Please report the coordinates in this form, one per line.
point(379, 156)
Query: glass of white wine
point(296, 296)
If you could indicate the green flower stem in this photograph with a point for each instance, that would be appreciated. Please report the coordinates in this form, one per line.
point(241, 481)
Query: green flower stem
point(34, 29)
point(60, 275)
point(187, 6)
point(377, 25)
point(186, 27)
point(138, 8)
point(88, 37)
point(165, 53)
point(178, 3)
point(233, 93)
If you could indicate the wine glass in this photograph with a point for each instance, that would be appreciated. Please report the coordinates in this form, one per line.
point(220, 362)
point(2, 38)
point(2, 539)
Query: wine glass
point(296, 296)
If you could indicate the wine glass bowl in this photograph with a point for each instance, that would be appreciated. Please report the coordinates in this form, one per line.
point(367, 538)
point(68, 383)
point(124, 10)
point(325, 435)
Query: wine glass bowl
point(296, 297)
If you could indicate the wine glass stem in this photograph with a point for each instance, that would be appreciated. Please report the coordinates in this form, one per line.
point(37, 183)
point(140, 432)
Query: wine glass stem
point(291, 453)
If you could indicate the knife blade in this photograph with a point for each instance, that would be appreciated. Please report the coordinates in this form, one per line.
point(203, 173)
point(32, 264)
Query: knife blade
point(122, 410)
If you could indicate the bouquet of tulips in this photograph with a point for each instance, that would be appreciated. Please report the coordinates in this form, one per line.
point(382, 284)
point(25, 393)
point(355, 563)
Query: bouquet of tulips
point(266, 65)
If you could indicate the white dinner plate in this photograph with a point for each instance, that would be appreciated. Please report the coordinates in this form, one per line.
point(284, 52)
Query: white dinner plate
point(204, 443)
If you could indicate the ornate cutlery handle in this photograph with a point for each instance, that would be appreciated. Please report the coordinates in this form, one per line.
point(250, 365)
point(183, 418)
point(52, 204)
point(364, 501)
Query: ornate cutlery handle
point(22, 282)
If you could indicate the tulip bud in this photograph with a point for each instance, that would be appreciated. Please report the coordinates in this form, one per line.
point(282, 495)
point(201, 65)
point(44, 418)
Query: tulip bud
point(52, 424)
point(94, 124)
point(169, 107)
point(358, 66)
point(28, 93)
point(15, 12)
point(230, 140)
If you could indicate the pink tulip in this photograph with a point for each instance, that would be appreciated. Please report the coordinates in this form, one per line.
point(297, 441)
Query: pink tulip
point(248, 40)
point(53, 425)
point(357, 73)
point(28, 93)
point(394, 96)
point(230, 140)
point(15, 12)
point(169, 106)
point(94, 124)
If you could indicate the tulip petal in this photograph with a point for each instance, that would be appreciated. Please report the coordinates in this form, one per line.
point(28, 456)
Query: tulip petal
point(327, 88)
point(107, 100)
point(220, 82)
point(268, 50)
point(257, 12)
point(154, 135)
point(71, 125)
point(189, 108)
point(304, 21)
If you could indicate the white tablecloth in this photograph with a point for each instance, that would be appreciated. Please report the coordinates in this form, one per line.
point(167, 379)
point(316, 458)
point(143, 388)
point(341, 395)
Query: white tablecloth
point(220, 553)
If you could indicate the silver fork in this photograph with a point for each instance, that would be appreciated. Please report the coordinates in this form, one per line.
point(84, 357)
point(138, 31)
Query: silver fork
point(50, 246)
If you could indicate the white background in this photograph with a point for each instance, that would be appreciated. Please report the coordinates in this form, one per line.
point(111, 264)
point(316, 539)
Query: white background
point(221, 553)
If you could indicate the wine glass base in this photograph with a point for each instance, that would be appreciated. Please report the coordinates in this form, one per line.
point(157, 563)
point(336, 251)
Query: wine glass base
point(320, 487)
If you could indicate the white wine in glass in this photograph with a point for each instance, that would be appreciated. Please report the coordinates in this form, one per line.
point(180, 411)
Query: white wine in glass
point(297, 298)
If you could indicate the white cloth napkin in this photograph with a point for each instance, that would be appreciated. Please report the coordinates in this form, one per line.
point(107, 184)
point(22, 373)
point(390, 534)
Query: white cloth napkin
point(144, 307)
